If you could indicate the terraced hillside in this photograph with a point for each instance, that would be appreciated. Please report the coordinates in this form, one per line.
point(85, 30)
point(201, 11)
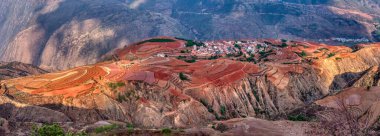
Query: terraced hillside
point(173, 82)
point(51, 33)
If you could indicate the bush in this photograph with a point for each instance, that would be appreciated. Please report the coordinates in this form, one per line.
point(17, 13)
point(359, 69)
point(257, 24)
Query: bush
point(251, 59)
point(113, 86)
point(166, 131)
point(185, 51)
point(105, 128)
point(298, 117)
point(48, 130)
point(283, 45)
point(223, 110)
point(237, 46)
point(213, 57)
point(181, 57)
point(258, 46)
point(302, 54)
point(183, 76)
point(330, 55)
point(221, 127)
point(130, 128)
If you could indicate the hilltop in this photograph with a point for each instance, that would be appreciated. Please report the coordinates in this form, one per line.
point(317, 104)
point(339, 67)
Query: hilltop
point(168, 82)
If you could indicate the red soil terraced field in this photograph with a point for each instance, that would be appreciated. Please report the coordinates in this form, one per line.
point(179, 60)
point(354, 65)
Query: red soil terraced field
point(88, 79)
point(150, 47)
point(166, 72)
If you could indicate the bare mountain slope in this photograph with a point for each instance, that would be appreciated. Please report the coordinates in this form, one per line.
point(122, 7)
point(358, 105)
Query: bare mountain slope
point(58, 32)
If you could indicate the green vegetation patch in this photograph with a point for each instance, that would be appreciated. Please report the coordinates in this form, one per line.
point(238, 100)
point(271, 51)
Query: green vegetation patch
point(166, 131)
point(209, 107)
point(283, 45)
point(114, 86)
point(321, 49)
point(220, 127)
point(53, 130)
point(302, 54)
point(192, 59)
point(191, 43)
point(156, 40)
point(106, 128)
point(214, 57)
point(237, 46)
point(299, 117)
point(48, 130)
point(330, 55)
point(183, 77)
point(223, 110)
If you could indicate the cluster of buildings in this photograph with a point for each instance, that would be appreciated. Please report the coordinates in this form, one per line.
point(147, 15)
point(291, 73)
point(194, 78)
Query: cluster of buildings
point(344, 40)
point(221, 48)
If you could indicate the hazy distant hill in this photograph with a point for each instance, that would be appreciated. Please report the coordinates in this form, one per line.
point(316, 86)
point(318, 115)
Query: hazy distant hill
point(58, 34)
point(10, 70)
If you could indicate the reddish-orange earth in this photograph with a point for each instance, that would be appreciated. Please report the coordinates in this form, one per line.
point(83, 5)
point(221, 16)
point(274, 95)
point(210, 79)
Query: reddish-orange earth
point(161, 70)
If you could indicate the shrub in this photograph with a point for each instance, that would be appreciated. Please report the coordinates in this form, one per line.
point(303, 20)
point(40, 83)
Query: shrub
point(237, 46)
point(113, 86)
point(191, 61)
point(130, 128)
point(181, 57)
point(258, 46)
point(183, 76)
point(121, 98)
point(338, 58)
point(209, 107)
point(298, 117)
point(213, 57)
point(283, 45)
point(284, 40)
point(251, 59)
point(221, 127)
point(185, 51)
point(106, 128)
point(223, 110)
point(166, 131)
point(321, 49)
point(302, 54)
point(330, 55)
point(48, 130)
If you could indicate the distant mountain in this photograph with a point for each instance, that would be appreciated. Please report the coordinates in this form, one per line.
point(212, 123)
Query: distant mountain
point(60, 34)
point(10, 70)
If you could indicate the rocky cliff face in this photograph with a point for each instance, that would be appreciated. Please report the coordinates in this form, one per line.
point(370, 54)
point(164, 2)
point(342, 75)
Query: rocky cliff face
point(150, 90)
point(52, 33)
